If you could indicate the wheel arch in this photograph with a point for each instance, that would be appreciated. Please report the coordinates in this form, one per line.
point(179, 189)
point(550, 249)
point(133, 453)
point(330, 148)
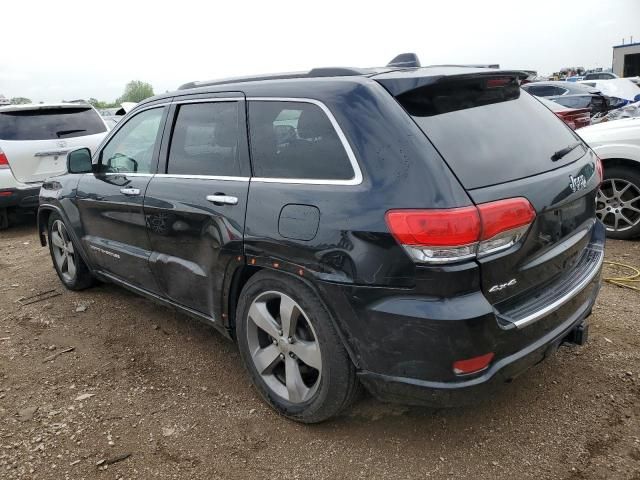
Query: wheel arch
point(44, 213)
point(621, 161)
point(242, 275)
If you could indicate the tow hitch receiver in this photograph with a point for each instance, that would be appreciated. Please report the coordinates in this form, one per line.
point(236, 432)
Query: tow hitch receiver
point(579, 335)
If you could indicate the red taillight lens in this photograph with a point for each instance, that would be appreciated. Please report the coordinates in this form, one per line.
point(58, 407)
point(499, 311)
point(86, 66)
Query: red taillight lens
point(472, 365)
point(451, 227)
point(503, 215)
point(599, 170)
point(441, 236)
point(4, 163)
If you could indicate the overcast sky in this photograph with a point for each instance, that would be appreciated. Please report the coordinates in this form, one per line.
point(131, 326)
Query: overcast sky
point(54, 50)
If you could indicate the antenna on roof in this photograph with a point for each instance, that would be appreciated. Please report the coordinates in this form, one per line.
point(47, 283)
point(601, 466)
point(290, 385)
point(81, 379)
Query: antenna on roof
point(407, 60)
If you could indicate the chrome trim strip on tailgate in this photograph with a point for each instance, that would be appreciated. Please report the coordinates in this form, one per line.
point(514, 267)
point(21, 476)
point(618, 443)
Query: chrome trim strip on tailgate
point(53, 153)
point(555, 305)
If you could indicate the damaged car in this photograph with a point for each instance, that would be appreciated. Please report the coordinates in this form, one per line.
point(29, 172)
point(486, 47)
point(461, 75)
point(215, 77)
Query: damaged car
point(427, 233)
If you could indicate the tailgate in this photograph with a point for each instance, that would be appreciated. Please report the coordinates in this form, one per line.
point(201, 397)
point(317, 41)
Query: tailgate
point(558, 236)
point(502, 143)
point(36, 139)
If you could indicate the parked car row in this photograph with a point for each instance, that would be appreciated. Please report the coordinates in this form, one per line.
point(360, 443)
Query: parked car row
point(600, 96)
point(614, 135)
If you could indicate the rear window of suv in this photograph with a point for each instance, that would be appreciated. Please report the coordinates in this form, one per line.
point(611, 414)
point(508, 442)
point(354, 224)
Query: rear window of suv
point(50, 123)
point(488, 130)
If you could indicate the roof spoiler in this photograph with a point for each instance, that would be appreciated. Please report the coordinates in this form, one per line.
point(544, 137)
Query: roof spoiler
point(405, 60)
point(398, 83)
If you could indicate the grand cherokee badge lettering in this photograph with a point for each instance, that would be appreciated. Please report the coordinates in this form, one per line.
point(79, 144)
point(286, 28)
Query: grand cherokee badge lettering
point(577, 183)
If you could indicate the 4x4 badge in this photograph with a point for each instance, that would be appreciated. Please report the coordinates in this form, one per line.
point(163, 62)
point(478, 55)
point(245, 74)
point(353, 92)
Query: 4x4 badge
point(502, 286)
point(577, 183)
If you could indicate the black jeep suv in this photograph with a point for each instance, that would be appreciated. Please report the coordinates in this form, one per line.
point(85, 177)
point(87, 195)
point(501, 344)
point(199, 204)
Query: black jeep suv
point(427, 233)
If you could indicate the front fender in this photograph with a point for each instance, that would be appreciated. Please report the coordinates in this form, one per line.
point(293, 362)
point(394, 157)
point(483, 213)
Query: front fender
point(618, 150)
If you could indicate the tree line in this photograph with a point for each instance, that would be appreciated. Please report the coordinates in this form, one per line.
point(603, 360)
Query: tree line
point(135, 91)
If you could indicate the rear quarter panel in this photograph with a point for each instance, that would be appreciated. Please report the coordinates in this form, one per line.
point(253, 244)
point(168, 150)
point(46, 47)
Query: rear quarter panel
point(353, 245)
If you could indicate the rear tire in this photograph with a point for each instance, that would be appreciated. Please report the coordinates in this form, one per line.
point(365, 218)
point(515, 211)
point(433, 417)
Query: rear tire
point(303, 372)
point(618, 204)
point(71, 269)
point(4, 219)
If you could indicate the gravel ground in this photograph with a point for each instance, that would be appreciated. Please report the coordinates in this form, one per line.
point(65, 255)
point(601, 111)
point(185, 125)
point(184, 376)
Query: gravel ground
point(149, 393)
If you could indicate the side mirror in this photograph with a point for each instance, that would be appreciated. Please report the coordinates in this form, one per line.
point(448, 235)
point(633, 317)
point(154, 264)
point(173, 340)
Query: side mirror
point(79, 161)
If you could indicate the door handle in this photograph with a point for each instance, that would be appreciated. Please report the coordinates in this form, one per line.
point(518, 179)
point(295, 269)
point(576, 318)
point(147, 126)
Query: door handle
point(130, 191)
point(222, 199)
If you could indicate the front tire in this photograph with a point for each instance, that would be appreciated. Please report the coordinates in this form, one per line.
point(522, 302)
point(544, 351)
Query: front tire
point(618, 202)
point(291, 349)
point(71, 269)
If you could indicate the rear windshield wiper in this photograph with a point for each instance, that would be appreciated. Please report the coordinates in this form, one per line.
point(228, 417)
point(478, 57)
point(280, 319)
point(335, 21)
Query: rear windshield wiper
point(565, 151)
point(67, 132)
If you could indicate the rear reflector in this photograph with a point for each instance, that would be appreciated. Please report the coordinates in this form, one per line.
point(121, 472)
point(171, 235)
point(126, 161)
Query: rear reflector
point(472, 365)
point(443, 236)
point(6, 193)
point(4, 163)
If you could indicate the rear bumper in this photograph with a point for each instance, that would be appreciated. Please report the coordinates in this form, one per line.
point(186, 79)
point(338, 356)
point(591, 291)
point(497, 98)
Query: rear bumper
point(19, 197)
point(405, 345)
point(413, 391)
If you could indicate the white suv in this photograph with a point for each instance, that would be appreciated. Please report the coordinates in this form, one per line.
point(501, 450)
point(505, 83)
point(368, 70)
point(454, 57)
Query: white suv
point(617, 143)
point(34, 141)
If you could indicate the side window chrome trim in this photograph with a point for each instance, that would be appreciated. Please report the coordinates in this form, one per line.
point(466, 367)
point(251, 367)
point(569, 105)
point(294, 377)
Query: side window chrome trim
point(125, 174)
point(357, 178)
point(202, 177)
point(208, 100)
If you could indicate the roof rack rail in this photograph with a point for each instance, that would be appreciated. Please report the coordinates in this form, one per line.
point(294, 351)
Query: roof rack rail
point(338, 71)
point(404, 60)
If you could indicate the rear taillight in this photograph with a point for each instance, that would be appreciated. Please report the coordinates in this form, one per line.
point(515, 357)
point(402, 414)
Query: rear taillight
point(4, 163)
point(504, 223)
point(576, 118)
point(443, 236)
point(599, 171)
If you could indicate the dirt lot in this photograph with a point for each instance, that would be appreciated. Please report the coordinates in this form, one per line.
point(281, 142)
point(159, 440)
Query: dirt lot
point(169, 392)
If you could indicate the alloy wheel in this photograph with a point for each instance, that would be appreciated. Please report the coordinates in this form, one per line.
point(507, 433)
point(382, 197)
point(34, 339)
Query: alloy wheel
point(63, 251)
point(284, 347)
point(618, 204)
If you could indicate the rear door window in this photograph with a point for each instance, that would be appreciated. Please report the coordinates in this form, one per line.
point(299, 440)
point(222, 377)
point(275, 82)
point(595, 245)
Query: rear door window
point(50, 123)
point(488, 131)
point(205, 140)
point(295, 140)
